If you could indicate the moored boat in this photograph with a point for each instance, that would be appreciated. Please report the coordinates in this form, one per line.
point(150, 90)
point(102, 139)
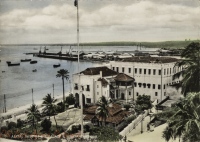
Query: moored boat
point(8, 62)
point(25, 60)
point(34, 70)
point(33, 62)
point(55, 66)
point(13, 64)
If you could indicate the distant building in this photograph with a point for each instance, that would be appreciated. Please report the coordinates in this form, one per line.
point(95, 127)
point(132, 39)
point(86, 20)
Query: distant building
point(95, 82)
point(153, 75)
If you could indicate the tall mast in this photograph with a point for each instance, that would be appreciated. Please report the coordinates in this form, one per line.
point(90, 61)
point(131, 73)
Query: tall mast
point(81, 97)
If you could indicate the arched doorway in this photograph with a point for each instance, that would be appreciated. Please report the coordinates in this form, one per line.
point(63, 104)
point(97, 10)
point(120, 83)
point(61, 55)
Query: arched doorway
point(76, 100)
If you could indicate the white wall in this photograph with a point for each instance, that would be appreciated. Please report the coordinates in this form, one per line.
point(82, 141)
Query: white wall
point(166, 77)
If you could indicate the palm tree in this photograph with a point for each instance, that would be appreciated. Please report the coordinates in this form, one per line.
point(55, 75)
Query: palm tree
point(185, 122)
point(102, 109)
point(191, 73)
point(64, 74)
point(33, 114)
point(49, 106)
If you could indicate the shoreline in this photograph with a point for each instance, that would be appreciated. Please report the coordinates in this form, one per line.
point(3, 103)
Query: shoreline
point(19, 112)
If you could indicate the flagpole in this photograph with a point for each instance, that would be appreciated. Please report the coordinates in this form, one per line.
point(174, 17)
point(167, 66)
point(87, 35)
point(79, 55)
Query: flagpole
point(81, 97)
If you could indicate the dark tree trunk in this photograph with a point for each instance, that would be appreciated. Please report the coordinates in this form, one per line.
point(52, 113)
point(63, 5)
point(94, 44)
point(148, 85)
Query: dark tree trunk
point(63, 89)
point(55, 121)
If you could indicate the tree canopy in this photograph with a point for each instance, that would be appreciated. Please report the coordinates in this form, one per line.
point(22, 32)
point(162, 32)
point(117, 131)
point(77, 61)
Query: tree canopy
point(185, 122)
point(191, 65)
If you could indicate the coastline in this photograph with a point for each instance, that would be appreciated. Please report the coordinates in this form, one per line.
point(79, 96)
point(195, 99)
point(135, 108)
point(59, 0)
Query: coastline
point(19, 112)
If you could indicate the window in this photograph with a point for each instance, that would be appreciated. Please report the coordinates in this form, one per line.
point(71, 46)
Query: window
point(88, 88)
point(135, 70)
point(76, 86)
point(159, 72)
point(164, 93)
point(129, 93)
point(149, 71)
point(156, 93)
point(149, 85)
point(154, 86)
point(139, 84)
point(82, 88)
point(140, 71)
point(97, 93)
point(88, 100)
point(122, 69)
point(137, 94)
point(113, 68)
point(164, 86)
point(135, 84)
point(97, 86)
point(167, 71)
point(144, 85)
point(117, 69)
point(129, 70)
point(158, 86)
point(164, 71)
point(154, 72)
point(144, 71)
point(170, 70)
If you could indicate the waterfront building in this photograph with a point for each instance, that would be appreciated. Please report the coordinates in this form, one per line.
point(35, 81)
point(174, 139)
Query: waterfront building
point(95, 82)
point(153, 75)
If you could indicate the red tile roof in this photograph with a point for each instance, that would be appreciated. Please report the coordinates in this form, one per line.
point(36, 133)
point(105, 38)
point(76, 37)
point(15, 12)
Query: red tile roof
point(123, 77)
point(96, 70)
point(145, 59)
point(116, 114)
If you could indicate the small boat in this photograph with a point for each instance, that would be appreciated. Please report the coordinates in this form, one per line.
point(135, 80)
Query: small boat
point(33, 62)
point(25, 60)
point(13, 64)
point(8, 62)
point(55, 66)
point(34, 70)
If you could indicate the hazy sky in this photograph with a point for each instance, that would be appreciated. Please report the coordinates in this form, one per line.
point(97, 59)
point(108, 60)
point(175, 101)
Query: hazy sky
point(54, 21)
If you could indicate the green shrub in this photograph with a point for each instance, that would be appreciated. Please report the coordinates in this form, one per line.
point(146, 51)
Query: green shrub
point(70, 100)
point(127, 106)
point(46, 125)
point(4, 129)
point(20, 123)
point(12, 125)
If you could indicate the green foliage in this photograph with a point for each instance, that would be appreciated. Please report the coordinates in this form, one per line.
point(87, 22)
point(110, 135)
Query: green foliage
point(46, 125)
point(102, 109)
point(86, 128)
point(105, 134)
point(33, 115)
point(74, 129)
point(61, 107)
point(12, 125)
point(64, 74)
point(143, 103)
point(127, 106)
point(70, 100)
point(4, 129)
point(185, 122)
point(20, 123)
point(191, 73)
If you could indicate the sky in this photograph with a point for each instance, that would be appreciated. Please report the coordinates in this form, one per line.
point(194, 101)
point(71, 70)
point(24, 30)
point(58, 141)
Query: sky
point(55, 21)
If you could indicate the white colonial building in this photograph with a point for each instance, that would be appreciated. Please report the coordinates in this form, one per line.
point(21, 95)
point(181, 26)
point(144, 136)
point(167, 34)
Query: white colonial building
point(153, 75)
point(95, 82)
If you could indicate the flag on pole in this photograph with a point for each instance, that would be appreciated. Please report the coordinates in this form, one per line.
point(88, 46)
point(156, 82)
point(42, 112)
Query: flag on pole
point(76, 3)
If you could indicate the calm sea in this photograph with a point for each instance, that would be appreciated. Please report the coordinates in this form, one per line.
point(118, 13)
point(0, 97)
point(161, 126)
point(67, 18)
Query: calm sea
point(17, 82)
